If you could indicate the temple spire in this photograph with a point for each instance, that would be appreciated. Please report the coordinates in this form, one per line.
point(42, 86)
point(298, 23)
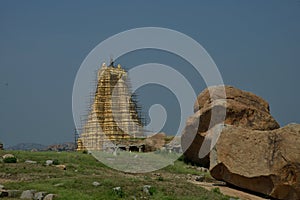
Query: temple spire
point(111, 62)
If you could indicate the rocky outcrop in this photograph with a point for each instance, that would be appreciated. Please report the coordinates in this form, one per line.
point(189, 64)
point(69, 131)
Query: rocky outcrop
point(251, 151)
point(67, 146)
point(155, 142)
point(267, 162)
point(242, 109)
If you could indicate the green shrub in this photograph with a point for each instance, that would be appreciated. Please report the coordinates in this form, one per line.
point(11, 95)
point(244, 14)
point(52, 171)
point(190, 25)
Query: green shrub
point(85, 152)
point(152, 190)
point(216, 190)
point(10, 160)
point(119, 192)
point(55, 162)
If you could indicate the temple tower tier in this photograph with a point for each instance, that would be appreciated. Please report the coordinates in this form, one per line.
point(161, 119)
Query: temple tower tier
point(114, 115)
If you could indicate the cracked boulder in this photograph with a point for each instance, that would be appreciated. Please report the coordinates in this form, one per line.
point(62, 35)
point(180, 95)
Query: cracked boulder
point(242, 109)
point(267, 162)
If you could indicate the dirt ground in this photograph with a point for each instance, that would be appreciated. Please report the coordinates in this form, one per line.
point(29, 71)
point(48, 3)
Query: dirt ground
point(228, 191)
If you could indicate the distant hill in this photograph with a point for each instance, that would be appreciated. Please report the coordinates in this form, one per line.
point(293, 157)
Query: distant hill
point(67, 146)
point(27, 147)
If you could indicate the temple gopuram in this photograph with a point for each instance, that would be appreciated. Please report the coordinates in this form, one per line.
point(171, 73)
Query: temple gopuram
point(114, 116)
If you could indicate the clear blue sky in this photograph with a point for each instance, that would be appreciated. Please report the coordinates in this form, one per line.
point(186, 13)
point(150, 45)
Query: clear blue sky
point(255, 44)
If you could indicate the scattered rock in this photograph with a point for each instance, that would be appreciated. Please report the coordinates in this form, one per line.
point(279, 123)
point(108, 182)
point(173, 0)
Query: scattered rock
point(39, 195)
point(146, 189)
point(266, 162)
point(202, 169)
point(3, 193)
point(189, 176)
point(117, 189)
point(96, 184)
point(49, 162)
point(30, 162)
point(68, 146)
point(27, 194)
point(58, 185)
point(200, 178)
point(8, 156)
point(13, 193)
point(243, 109)
point(2, 187)
point(63, 167)
point(156, 174)
point(49, 197)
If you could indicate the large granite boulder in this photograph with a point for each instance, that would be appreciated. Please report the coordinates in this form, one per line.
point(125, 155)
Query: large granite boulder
point(243, 109)
point(266, 162)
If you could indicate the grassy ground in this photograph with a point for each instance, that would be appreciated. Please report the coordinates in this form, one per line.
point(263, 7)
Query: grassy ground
point(83, 169)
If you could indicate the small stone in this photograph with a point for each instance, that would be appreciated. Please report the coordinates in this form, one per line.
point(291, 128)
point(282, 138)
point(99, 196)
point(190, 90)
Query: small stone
point(49, 197)
point(39, 195)
point(13, 193)
point(27, 194)
point(96, 184)
point(30, 162)
point(2, 187)
point(63, 167)
point(58, 185)
point(8, 156)
point(117, 189)
point(200, 178)
point(146, 189)
point(49, 162)
point(202, 169)
point(3, 193)
point(188, 176)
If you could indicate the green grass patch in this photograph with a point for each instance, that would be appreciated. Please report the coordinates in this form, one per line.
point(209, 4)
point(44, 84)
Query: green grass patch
point(76, 182)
